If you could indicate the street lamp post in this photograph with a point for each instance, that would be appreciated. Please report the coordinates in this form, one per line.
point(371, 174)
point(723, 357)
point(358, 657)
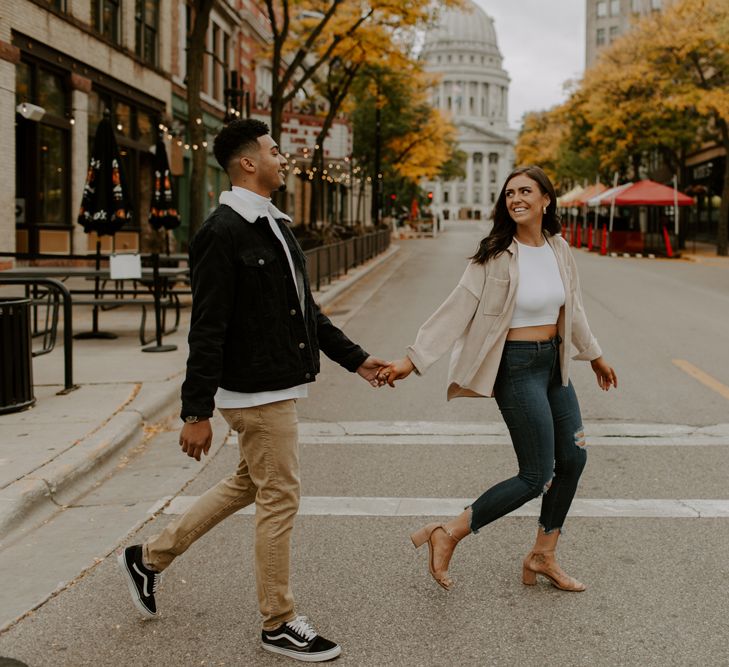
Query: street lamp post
point(376, 185)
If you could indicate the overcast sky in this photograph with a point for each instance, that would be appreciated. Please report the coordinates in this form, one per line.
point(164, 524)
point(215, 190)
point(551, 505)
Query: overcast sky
point(543, 44)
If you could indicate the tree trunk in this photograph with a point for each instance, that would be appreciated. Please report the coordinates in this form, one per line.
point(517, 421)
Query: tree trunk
point(195, 63)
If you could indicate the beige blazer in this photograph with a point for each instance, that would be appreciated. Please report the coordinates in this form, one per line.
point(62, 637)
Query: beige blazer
point(476, 318)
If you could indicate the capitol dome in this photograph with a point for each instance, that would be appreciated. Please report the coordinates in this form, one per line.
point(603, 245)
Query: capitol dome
point(467, 28)
point(473, 92)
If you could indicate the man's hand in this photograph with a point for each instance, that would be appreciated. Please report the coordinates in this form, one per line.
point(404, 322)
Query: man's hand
point(195, 439)
point(397, 370)
point(370, 371)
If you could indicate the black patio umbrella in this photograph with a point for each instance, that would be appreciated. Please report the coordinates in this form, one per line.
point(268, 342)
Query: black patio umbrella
point(162, 211)
point(104, 204)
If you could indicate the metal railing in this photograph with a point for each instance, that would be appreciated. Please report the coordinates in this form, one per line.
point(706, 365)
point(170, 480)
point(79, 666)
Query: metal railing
point(328, 262)
point(39, 289)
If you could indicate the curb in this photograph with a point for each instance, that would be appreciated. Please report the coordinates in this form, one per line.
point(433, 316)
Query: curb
point(39, 491)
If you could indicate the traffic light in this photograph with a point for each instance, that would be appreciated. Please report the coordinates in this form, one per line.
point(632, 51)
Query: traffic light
point(393, 196)
point(430, 196)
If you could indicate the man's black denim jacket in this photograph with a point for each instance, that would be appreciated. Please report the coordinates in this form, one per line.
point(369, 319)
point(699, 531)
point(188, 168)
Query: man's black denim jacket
point(247, 331)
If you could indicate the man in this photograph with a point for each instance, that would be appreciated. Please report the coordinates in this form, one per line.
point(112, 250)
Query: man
point(255, 334)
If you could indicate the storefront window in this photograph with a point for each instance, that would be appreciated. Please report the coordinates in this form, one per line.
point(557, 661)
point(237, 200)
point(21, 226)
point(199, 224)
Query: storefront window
point(146, 128)
point(52, 191)
point(22, 83)
point(123, 119)
point(42, 151)
point(51, 93)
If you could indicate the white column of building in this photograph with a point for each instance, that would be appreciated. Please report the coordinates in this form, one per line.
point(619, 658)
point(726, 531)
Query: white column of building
point(9, 55)
point(469, 181)
point(79, 156)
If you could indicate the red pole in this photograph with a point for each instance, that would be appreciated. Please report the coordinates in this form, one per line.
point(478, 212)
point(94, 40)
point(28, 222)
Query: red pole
point(667, 241)
point(579, 237)
point(589, 239)
point(603, 242)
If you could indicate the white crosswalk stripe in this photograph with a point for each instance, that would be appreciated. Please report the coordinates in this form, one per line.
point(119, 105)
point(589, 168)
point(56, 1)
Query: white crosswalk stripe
point(401, 433)
point(402, 507)
point(456, 433)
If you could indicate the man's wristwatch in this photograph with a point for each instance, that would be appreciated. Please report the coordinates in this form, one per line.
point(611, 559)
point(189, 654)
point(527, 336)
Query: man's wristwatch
point(192, 419)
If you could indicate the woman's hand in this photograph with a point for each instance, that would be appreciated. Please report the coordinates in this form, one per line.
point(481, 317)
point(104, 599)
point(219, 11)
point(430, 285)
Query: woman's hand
point(606, 376)
point(396, 370)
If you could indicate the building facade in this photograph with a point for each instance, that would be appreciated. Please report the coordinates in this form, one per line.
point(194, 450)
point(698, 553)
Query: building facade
point(606, 20)
point(474, 93)
point(64, 63)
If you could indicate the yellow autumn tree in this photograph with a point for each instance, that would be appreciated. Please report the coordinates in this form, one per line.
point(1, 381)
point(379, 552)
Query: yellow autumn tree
point(307, 34)
point(661, 88)
point(540, 139)
point(688, 48)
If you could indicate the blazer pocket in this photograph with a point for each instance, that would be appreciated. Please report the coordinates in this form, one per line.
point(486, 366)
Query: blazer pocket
point(494, 295)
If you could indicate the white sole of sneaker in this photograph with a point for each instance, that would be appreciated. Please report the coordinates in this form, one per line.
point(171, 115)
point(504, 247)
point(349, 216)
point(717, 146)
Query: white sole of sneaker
point(304, 657)
point(132, 587)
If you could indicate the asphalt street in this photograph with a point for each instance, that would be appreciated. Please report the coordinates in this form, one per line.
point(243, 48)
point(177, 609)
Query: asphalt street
point(656, 581)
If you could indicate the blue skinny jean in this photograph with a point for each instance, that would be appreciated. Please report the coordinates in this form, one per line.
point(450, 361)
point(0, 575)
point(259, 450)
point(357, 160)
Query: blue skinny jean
point(545, 425)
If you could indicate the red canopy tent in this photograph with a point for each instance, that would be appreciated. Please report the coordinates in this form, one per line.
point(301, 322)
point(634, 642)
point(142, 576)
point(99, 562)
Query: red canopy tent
point(648, 193)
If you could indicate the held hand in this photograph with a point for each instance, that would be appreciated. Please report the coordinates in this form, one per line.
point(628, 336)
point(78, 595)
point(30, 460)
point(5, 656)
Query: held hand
point(370, 371)
point(195, 439)
point(397, 370)
point(606, 376)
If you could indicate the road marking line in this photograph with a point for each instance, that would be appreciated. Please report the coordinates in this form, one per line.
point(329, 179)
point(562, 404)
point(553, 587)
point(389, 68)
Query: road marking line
point(495, 433)
point(704, 378)
point(402, 507)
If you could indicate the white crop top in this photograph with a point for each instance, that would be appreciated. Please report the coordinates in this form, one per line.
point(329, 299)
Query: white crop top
point(540, 293)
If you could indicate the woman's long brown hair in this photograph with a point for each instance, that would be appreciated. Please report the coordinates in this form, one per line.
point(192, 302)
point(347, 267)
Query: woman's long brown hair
point(502, 233)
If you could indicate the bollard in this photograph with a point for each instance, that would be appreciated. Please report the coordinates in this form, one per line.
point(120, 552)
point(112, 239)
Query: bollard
point(579, 237)
point(603, 242)
point(589, 239)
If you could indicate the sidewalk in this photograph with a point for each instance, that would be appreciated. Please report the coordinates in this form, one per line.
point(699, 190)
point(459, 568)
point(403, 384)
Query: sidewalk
point(704, 253)
point(61, 445)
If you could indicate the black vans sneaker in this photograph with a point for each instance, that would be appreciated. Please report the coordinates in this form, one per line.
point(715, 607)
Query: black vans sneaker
point(141, 580)
point(298, 640)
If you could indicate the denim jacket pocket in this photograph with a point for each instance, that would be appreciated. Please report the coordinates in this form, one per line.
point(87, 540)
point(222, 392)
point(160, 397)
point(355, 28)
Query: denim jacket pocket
point(494, 296)
point(258, 258)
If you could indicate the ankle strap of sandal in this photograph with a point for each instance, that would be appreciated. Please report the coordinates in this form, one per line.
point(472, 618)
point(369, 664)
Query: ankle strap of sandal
point(449, 533)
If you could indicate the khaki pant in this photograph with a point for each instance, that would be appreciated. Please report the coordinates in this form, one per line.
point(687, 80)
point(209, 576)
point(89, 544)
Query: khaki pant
point(268, 473)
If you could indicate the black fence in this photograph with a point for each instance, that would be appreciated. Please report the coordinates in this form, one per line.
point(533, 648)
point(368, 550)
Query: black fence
point(332, 261)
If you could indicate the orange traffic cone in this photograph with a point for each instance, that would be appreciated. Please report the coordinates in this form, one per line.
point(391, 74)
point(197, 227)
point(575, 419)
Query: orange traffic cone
point(667, 241)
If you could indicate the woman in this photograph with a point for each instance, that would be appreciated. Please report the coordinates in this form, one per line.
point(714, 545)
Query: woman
point(512, 317)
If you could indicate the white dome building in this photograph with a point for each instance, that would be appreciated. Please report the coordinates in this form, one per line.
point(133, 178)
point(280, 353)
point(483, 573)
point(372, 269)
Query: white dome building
point(473, 91)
